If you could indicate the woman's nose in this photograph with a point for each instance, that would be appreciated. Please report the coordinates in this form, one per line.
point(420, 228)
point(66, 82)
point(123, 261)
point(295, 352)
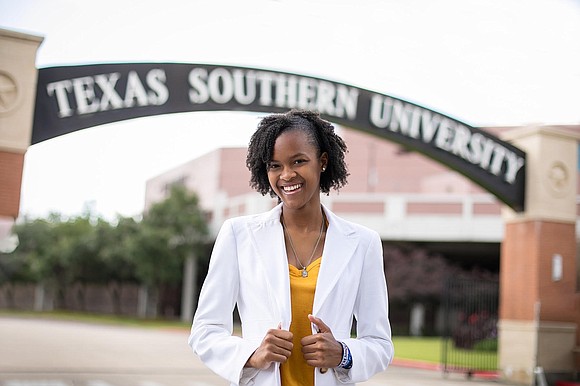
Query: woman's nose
point(287, 174)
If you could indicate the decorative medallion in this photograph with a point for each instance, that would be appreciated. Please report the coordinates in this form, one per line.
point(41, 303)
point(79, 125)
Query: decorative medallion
point(558, 178)
point(8, 92)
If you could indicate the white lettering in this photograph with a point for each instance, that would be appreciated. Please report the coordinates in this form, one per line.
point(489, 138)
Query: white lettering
point(135, 91)
point(159, 93)
point(476, 148)
point(346, 102)
point(414, 129)
point(110, 96)
point(221, 85)
point(60, 89)
point(429, 125)
point(514, 164)
point(398, 116)
point(499, 154)
point(380, 111)
point(461, 139)
point(406, 118)
point(487, 152)
point(84, 90)
point(266, 79)
point(286, 91)
point(197, 80)
point(443, 135)
point(325, 98)
point(306, 93)
point(249, 86)
point(270, 89)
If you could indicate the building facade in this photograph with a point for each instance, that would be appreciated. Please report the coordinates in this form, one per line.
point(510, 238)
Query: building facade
point(403, 195)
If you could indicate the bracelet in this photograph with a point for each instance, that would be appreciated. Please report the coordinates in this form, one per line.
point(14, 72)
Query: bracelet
point(346, 362)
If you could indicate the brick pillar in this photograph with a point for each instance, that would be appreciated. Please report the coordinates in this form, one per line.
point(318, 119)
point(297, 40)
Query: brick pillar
point(538, 273)
point(17, 94)
point(11, 164)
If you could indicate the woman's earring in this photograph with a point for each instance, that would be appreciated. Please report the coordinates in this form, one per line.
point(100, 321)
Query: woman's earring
point(323, 168)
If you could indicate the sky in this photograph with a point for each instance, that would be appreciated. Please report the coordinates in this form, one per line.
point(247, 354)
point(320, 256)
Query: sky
point(484, 62)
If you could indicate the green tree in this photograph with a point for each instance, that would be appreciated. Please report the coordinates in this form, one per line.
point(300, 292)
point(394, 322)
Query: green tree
point(55, 253)
point(34, 236)
point(115, 246)
point(416, 280)
point(15, 267)
point(172, 231)
point(68, 257)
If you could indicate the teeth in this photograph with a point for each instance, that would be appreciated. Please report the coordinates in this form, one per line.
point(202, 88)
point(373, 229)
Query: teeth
point(291, 187)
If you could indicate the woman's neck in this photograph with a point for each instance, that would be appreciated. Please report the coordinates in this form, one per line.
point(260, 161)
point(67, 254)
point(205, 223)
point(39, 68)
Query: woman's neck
point(304, 219)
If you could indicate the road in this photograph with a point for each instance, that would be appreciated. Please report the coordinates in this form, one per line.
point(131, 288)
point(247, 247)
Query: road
point(39, 352)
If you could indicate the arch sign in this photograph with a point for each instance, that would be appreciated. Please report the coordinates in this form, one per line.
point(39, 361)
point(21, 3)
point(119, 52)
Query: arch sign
point(71, 98)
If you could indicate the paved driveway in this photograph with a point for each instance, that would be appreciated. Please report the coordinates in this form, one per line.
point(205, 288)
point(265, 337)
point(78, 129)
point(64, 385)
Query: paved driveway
point(59, 353)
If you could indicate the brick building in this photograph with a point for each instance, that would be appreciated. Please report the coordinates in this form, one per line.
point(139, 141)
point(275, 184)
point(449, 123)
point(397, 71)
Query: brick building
point(403, 195)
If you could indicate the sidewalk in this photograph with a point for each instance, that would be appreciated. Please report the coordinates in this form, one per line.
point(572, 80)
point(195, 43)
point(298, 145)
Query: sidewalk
point(409, 372)
point(36, 352)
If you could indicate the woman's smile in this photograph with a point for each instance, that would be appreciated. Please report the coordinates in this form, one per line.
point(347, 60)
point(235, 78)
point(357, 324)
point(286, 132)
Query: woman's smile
point(291, 189)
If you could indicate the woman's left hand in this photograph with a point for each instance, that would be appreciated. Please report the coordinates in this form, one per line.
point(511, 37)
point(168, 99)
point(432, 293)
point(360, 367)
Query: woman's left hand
point(321, 350)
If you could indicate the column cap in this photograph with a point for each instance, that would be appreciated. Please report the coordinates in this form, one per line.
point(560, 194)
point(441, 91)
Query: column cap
point(21, 35)
point(564, 131)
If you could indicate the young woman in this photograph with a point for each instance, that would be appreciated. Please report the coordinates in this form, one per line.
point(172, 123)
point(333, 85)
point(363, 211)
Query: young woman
point(298, 274)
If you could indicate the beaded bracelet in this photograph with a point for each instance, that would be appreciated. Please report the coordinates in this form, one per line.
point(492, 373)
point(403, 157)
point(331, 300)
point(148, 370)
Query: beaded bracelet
point(346, 362)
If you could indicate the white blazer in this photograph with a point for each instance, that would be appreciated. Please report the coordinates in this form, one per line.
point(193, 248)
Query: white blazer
point(249, 267)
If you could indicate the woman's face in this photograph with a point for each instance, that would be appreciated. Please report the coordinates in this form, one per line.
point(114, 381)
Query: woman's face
point(294, 171)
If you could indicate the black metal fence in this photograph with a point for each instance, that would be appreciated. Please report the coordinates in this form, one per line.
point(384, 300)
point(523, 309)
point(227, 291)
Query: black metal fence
point(470, 326)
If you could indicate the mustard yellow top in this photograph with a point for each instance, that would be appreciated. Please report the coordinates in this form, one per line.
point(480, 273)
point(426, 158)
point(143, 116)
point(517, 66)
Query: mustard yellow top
point(295, 371)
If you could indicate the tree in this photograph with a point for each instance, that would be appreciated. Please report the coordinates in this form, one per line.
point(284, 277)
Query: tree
point(171, 231)
point(57, 253)
point(415, 275)
point(15, 266)
point(416, 281)
point(115, 252)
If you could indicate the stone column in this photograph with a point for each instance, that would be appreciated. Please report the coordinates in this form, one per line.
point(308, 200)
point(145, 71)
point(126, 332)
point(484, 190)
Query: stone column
point(17, 96)
point(538, 273)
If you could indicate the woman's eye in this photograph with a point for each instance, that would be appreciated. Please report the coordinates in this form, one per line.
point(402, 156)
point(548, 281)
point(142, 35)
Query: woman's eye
point(271, 166)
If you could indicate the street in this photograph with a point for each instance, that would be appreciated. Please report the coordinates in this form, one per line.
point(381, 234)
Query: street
point(36, 352)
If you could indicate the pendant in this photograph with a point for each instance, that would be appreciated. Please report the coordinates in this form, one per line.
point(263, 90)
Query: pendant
point(304, 272)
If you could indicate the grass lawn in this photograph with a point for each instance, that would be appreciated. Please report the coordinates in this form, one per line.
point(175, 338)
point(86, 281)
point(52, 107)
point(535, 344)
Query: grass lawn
point(422, 349)
point(430, 350)
point(98, 318)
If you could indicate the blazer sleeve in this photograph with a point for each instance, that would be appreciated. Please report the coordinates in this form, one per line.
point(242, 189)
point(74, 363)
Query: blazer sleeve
point(372, 350)
point(211, 331)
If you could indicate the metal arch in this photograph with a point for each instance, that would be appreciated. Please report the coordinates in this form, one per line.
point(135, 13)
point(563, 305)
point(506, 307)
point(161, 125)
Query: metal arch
point(71, 98)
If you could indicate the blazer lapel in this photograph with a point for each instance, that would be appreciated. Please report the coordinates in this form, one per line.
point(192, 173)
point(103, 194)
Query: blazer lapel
point(267, 237)
point(339, 247)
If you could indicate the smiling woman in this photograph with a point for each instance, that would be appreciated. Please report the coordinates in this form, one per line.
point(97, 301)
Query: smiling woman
point(298, 274)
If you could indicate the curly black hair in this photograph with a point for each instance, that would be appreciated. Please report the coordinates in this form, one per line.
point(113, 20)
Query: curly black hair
point(321, 134)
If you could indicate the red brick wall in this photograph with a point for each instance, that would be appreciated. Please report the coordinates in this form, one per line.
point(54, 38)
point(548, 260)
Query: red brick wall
point(11, 165)
point(577, 310)
point(526, 271)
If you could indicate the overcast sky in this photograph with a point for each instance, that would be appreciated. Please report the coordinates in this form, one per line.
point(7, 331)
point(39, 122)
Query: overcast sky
point(485, 62)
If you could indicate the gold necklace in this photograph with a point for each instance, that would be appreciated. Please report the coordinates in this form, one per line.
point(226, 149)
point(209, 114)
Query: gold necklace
point(304, 271)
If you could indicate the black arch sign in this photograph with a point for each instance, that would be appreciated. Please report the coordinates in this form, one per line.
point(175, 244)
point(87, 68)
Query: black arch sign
point(71, 98)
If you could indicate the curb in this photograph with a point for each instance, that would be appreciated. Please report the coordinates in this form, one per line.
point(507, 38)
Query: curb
point(421, 365)
point(414, 364)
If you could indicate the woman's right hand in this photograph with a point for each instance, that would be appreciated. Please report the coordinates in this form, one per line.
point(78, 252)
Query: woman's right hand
point(276, 347)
